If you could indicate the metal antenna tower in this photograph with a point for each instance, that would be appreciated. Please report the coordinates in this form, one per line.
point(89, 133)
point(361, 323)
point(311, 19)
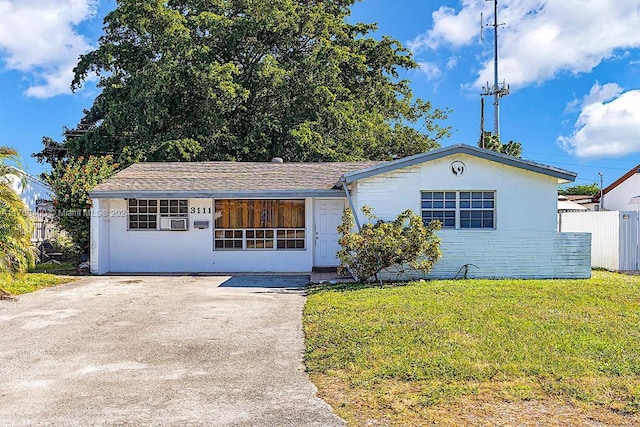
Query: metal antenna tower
point(497, 90)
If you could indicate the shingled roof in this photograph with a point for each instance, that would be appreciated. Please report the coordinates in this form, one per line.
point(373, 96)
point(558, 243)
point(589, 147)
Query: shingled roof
point(225, 178)
point(266, 179)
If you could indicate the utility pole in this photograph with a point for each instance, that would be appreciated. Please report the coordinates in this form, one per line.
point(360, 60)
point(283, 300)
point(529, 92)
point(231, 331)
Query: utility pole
point(601, 192)
point(497, 90)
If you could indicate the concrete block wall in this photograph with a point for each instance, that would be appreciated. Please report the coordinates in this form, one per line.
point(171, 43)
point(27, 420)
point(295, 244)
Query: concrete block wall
point(523, 255)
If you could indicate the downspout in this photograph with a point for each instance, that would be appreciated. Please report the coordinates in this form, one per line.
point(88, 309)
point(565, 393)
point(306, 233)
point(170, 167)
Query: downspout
point(351, 205)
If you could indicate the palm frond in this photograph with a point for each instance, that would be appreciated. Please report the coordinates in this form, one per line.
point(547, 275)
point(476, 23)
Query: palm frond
point(17, 254)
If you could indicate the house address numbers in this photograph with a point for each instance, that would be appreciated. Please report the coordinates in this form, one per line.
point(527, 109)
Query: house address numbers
point(200, 210)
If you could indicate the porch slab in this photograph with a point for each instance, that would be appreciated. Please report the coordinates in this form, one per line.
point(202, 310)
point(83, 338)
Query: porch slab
point(329, 277)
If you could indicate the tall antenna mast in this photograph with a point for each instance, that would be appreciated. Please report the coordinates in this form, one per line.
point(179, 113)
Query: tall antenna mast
point(482, 123)
point(497, 90)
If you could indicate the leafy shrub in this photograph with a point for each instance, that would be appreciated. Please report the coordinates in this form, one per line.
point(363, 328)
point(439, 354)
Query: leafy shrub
point(379, 245)
point(63, 243)
point(71, 183)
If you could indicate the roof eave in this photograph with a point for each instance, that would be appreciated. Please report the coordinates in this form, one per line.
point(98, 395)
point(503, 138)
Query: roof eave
point(29, 177)
point(211, 194)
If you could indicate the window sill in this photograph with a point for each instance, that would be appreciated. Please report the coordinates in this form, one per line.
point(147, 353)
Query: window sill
point(258, 250)
point(468, 229)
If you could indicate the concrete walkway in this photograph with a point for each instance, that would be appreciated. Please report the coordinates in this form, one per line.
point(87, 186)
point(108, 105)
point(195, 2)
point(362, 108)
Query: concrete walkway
point(158, 351)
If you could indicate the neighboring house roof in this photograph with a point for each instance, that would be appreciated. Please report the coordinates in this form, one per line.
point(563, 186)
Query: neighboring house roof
point(581, 199)
point(266, 179)
point(30, 178)
point(562, 175)
point(229, 179)
point(565, 205)
point(619, 181)
point(30, 189)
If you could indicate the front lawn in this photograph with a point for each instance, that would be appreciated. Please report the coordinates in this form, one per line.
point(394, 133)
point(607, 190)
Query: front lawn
point(480, 352)
point(30, 282)
point(68, 268)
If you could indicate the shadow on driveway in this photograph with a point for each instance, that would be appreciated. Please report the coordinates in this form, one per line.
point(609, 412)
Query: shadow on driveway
point(271, 282)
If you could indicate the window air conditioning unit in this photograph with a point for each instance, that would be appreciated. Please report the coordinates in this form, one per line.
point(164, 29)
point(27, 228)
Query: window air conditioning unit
point(178, 224)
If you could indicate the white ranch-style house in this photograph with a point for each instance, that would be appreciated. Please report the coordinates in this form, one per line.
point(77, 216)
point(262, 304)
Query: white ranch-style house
point(618, 195)
point(615, 230)
point(498, 214)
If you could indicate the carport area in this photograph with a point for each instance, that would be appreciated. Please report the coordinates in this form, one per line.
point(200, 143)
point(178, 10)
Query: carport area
point(140, 350)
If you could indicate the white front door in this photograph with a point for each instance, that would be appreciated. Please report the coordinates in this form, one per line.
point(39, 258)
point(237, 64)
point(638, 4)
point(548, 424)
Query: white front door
point(327, 218)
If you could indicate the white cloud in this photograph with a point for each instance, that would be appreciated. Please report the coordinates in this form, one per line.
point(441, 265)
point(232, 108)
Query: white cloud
point(608, 124)
point(541, 38)
point(430, 69)
point(604, 93)
point(39, 38)
point(452, 63)
point(451, 27)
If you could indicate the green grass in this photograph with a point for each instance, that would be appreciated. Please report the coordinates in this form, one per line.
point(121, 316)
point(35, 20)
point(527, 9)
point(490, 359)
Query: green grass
point(62, 268)
point(30, 282)
point(398, 350)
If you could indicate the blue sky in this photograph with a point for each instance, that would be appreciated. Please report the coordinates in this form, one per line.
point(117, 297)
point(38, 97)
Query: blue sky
point(573, 67)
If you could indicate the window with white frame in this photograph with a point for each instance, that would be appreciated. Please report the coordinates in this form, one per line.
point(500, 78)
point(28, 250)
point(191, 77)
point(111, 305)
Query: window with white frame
point(477, 209)
point(174, 208)
point(441, 206)
point(143, 214)
point(152, 214)
point(459, 209)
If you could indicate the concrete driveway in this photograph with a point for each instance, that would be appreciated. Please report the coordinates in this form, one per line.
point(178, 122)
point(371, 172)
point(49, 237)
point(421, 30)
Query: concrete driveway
point(158, 351)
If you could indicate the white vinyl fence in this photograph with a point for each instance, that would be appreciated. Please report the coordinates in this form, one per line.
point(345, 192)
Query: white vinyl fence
point(629, 241)
point(615, 237)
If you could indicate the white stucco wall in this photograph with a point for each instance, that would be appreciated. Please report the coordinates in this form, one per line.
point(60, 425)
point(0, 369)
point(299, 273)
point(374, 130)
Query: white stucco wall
point(618, 198)
point(186, 251)
point(524, 243)
point(525, 201)
point(101, 216)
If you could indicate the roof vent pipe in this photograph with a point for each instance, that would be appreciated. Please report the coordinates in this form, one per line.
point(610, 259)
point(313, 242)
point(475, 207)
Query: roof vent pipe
point(277, 160)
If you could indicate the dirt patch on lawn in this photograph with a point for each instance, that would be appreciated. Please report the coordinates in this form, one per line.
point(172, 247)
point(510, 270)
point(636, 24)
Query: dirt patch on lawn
point(378, 406)
point(4, 295)
point(631, 273)
point(533, 413)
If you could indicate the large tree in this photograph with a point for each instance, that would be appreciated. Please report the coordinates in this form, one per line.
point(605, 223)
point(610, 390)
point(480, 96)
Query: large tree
point(249, 80)
point(580, 190)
